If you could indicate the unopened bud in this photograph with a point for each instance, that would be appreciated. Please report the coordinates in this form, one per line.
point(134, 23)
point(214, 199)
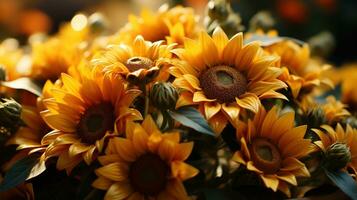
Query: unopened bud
point(10, 113)
point(338, 155)
point(262, 21)
point(163, 95)
point(97, 23)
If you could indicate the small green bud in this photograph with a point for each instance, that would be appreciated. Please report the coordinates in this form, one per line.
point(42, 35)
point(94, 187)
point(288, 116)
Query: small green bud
point(337, 156)
point(322, 44)
point(218, 9)
point(2, 73)
point(220, 13)
point(97, 23)
point(163, 95)
point(262, 20)
point(10, 113)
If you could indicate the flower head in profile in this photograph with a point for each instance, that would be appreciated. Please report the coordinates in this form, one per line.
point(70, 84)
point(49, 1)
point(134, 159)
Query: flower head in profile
point(138, 62)
point(301, 72)
point(145, 164)
point(339, 147)
point(83, 112)
point(223, 77)
point(171, 25)
point(332, 110)
point(271, 147)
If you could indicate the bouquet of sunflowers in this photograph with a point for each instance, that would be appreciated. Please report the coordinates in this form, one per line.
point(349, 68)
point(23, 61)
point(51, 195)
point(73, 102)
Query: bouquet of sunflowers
point(171, 108)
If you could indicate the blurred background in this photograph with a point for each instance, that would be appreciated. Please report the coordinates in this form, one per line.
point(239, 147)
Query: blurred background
point(308, 20)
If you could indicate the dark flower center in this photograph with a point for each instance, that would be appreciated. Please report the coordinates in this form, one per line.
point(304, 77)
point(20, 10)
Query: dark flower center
point(95, 122)
point(223, 83)
point(265, 155)
point(148, 174)
point(136, 63)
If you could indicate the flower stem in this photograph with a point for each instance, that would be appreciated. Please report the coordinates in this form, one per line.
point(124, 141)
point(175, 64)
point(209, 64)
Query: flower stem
point(146, 97)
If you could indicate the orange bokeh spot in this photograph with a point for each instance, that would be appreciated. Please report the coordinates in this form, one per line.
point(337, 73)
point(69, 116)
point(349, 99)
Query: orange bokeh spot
point(294, 11)
point(34, 21)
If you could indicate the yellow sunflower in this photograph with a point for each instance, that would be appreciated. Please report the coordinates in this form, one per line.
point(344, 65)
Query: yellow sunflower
point(224, 76)
point(53, 57)
point(138, 62)
point(171, 25)
point(301, 72)
point(271, 147)
point(334, 142)
point(145, 165)
point(83, 112)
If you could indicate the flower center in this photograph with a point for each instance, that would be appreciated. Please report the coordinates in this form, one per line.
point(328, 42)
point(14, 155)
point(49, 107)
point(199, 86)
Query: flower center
point(95, 122)
point(136, 63)
point(265, 155)
point(223, 83)
point(148, 174)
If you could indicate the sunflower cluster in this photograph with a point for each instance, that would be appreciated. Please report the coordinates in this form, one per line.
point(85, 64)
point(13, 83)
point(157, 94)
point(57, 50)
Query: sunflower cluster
point(164, 110)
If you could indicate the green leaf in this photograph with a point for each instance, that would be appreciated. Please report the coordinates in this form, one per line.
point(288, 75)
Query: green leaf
point(23, 84)
point(190, 117)
point(344, 181)
point(21, 171)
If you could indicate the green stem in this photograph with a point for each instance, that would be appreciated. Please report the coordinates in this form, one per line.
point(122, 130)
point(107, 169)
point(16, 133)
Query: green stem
point(147, 101)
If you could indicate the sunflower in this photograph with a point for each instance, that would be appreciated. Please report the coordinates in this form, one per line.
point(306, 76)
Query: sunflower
point(301, 72)
point(271, 147)
point(171, 25)
point(53, 57)
point(83, 112)
point(333, 110)
point(145, 165)
point(224, 76)
point(138, 62)
point(333, 142)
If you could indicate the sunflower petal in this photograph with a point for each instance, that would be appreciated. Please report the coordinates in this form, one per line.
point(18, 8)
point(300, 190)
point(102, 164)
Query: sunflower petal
point(118, 191)
point(249, 101)
point(183, 171)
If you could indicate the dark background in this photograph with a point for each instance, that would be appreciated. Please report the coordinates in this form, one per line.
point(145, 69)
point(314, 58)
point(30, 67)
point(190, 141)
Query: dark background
point(301, 19)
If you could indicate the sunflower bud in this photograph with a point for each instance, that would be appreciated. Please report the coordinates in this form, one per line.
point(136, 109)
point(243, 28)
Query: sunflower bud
point(218, 9)
point(220, 13)
point(338, 155)
point(97, 23)
point(10, 114)
point(163, 95)
point(262, 21)
point(2, 73)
